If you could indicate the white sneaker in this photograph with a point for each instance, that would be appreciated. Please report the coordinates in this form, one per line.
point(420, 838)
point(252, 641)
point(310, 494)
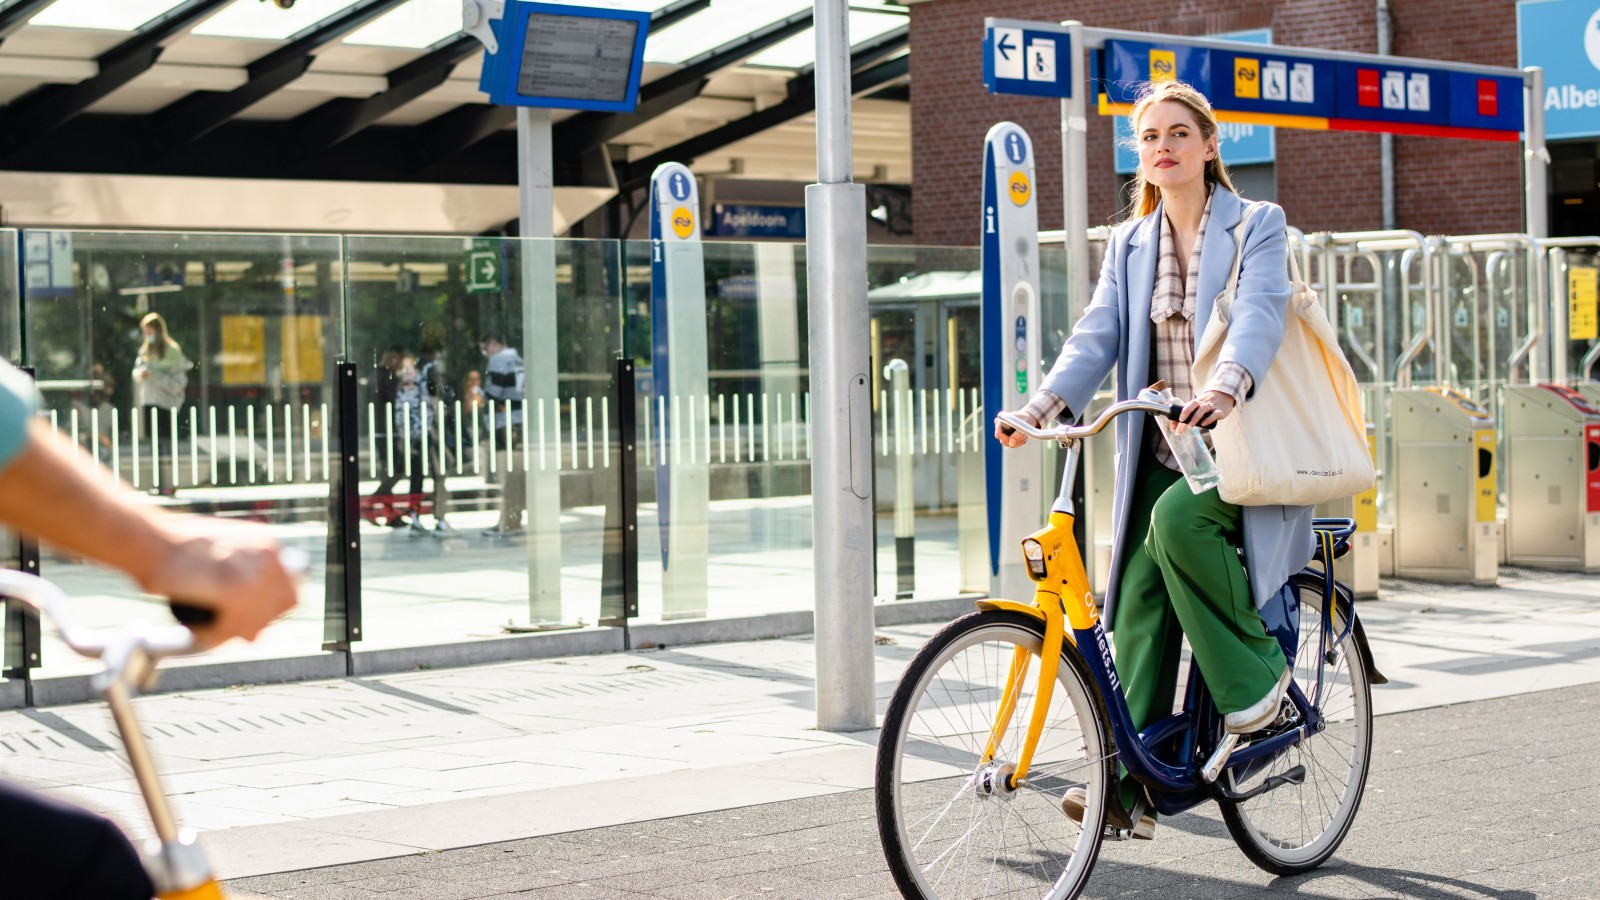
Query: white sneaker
point(1259, 714)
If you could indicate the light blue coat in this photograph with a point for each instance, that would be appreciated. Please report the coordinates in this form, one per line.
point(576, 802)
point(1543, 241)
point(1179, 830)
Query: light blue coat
point(1116, 330)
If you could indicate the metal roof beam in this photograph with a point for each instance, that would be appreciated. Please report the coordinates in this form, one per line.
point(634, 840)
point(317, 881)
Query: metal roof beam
point(17, 14)
point(802, 99)
point(42, 111)
point(676, 12)
point(591, 129)
point(337, 120)
point(202, 112)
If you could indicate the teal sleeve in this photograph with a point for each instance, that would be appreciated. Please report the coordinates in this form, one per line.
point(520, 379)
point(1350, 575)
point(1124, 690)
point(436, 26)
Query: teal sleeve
point(18, 400)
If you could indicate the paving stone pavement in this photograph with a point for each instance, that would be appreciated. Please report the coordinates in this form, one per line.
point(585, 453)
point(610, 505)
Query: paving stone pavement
point(1491, 800)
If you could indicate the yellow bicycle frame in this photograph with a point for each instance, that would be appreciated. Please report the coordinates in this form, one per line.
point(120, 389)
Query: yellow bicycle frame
point(1064, 577)
point(211, 890)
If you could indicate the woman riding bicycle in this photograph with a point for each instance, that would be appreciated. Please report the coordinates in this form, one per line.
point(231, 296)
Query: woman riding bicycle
point(1176, 568)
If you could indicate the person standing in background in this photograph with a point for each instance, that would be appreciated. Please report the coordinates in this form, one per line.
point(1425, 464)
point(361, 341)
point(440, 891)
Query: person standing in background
point(385, 384)
point(438, 399)
point(160, 380)
point(502, 382)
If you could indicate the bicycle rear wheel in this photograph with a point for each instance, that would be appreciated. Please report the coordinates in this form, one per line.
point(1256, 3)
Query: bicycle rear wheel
point(951, 825)
point(1295, 828)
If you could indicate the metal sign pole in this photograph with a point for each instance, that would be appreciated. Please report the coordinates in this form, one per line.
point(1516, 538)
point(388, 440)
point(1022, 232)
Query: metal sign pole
point(536, 184)
point(841, 465)
point(1075, 177)
point(1536, 181)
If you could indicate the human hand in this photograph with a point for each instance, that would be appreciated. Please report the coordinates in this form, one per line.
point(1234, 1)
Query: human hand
point(1009, 436)
point(1206, 410)
point(233, 571)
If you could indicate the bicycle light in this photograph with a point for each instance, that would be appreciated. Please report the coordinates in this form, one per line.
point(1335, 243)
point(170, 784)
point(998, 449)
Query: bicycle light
point(1033, 552)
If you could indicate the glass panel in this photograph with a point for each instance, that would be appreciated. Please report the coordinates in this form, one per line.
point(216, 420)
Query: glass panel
point(255, 19)
point(229, 420)
point(750, 428)
point(923, 304)
point(801, 49)
point(414, 25)
point(106, 15)
point(433, 397)
point(725, 21)
point(10, 302)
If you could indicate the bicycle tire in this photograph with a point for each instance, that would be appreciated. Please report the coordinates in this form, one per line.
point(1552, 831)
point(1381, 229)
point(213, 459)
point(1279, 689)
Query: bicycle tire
point(958, 686)
point(1275, 830)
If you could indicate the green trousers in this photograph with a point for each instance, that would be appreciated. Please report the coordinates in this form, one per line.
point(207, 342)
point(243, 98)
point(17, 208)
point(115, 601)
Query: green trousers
point(1183, 576)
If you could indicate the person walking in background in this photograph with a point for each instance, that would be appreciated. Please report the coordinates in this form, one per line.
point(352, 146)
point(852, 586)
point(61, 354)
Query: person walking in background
point(437, 399)
point(503, 381)
point(472, 400)
point(385, 384)
point(160, 380)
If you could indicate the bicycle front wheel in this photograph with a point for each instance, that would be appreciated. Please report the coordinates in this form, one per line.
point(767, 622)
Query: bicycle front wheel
point(1295, 828)
point(952, 823)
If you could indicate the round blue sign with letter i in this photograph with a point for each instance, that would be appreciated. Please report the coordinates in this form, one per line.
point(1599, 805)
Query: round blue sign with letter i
point(679, 185)
point(1016, 150)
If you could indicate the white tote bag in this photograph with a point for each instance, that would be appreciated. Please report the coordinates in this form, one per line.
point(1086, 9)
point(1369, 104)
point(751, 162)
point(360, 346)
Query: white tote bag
point(1301, 439)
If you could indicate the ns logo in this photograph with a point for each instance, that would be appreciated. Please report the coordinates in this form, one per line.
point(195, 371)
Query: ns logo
point(1019, 188)
point(1246, 73)
point(682, 222)
point(1161, 69)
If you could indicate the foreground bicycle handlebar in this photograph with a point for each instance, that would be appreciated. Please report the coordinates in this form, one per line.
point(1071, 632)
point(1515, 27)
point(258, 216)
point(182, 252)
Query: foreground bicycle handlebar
point(177, 866)
point(1066, 433)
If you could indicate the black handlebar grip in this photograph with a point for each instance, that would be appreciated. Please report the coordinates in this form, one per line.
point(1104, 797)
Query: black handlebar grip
point(192, 616)
point(1175, 412)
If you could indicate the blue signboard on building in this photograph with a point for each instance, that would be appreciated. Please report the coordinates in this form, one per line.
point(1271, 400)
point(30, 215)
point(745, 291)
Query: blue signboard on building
point(1563, 38)
point(748, 221)
point(1030, 58)
point(1241, 144)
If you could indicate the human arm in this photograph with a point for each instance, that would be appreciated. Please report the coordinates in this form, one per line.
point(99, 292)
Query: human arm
point(1260, 308)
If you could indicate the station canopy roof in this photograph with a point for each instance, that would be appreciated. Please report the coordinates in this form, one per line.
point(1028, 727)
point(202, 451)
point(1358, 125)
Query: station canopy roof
point(114, 108)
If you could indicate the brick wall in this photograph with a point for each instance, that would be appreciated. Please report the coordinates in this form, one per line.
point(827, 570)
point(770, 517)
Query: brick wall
point(1324, 180)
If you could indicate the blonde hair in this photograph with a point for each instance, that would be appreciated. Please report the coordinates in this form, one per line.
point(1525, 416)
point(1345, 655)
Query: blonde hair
point(156, 346)
point(1142, 195)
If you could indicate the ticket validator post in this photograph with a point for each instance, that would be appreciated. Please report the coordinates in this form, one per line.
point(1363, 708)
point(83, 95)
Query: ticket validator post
point(679, 395)
point(1013, 479)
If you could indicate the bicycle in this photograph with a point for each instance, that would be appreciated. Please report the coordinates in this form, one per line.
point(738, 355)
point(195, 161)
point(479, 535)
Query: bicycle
point(174, 860)
point(969, 806)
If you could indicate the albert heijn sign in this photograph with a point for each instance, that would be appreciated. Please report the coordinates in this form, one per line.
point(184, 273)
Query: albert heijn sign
point(1294, 88)
point(1563, 38)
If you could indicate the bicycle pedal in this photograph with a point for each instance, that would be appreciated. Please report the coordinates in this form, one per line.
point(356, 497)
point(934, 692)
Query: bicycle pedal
point(1117, 834)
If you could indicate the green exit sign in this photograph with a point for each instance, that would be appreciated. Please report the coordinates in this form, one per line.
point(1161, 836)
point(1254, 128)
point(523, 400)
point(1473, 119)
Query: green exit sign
point(484, 265)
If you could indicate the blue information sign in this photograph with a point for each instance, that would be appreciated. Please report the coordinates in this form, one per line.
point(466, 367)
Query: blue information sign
point(1241, 144)
point(1391, 93)
point(566, 57)
point(1292, 87)
point(1563, 38)
point(1131, 64)
point(1029, 58)
point(745, 220)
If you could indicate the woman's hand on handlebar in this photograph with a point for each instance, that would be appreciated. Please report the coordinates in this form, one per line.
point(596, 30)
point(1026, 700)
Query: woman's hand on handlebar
point(235, 572)
point(1207, 409)
point(1010, 437)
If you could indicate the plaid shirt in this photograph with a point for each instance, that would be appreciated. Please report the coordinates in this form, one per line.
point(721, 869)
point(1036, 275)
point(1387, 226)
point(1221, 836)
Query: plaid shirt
point(1172, 306)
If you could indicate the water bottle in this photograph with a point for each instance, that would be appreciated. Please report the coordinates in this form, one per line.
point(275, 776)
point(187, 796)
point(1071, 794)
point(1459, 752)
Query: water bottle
point(1189, 449)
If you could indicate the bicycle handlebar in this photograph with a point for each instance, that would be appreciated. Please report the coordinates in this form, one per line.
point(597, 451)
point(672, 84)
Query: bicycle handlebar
point(1074, 432)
